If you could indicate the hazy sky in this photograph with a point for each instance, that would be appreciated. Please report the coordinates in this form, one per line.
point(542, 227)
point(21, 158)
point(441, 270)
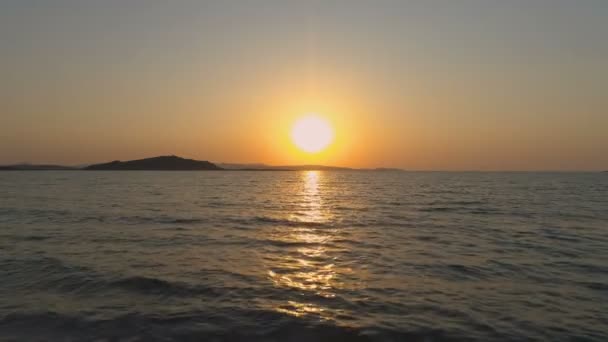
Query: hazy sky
point(414, 84)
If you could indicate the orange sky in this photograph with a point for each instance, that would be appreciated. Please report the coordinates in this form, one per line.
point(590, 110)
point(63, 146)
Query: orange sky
point(417, 85)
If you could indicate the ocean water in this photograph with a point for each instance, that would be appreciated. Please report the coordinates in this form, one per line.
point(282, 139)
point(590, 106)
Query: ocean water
point(303, 256)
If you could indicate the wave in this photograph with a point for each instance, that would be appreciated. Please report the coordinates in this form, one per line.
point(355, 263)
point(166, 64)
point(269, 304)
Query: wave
point(158, 219)
point(26, 237)
point(438, 209)
point(45, 274)
point(267, 220)
point(18, 215)
point(146, 285)
point(68, 217)
point(462, 203)
point(466, 210)
point(222, 326)
point(293, 244)
point(287, 222)
point(50, 274)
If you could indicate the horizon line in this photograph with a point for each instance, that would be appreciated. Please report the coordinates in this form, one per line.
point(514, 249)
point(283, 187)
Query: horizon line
point(248, 165)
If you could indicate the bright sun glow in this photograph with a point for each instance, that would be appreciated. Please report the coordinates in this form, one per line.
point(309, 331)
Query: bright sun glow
point(312, 134)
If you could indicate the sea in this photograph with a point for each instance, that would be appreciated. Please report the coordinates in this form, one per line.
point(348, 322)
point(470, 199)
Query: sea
point(303, 256)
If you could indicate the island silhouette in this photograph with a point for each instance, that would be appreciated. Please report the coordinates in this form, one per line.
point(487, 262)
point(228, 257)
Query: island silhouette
point(162, 163)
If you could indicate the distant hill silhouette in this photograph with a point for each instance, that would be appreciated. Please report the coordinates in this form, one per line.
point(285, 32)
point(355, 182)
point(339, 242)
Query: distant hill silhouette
point(162, 163)
point(175, 163)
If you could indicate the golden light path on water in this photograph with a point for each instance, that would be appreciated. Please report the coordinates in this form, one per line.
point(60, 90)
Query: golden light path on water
point(310, 268)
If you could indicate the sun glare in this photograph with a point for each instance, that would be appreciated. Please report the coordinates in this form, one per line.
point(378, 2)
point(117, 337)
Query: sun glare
point(312, 134)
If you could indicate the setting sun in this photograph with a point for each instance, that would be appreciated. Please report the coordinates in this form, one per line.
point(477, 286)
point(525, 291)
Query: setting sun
point(312, 134)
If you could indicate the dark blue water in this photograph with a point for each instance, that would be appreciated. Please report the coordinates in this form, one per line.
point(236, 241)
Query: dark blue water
point(303, 256)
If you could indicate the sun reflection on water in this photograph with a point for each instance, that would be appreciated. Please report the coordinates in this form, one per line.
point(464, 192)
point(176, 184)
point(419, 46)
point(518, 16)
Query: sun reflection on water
point(306, 264)
point(311, 209)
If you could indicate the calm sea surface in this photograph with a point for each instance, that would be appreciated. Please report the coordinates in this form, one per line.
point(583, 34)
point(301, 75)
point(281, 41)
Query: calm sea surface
point(303, 256)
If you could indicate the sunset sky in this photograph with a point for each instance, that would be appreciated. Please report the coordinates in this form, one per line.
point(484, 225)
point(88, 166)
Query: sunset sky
point(421, 85)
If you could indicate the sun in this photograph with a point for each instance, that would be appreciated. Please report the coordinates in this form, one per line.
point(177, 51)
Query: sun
point(312, 134)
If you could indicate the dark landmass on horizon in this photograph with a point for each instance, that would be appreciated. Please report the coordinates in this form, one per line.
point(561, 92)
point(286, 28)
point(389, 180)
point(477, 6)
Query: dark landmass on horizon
point(175, 163)
point(162, 163)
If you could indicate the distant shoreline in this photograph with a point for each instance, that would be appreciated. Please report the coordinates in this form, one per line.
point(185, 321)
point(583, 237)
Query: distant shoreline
point(175, 163)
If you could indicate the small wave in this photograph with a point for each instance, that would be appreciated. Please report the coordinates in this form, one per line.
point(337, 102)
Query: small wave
point(437, 209)
point(601, 287)
point(283, 243)
point(222, 326)
point(45, 273)
point(456, 203)
point(35, 238)
point(484, 211)
point(453, 271)
point(26, 237)
point(350, 208)
point(86, 219)
point(466, 271)
point(35, 215)
point(466, 210)
point(279, 222)
point(158, 219)
point(428, 238)
point(52, 274)
point(47, 212)
point(183, 220)
point(146, 285)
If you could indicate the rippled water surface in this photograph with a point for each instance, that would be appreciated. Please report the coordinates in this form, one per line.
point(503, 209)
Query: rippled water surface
point(303, 256)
